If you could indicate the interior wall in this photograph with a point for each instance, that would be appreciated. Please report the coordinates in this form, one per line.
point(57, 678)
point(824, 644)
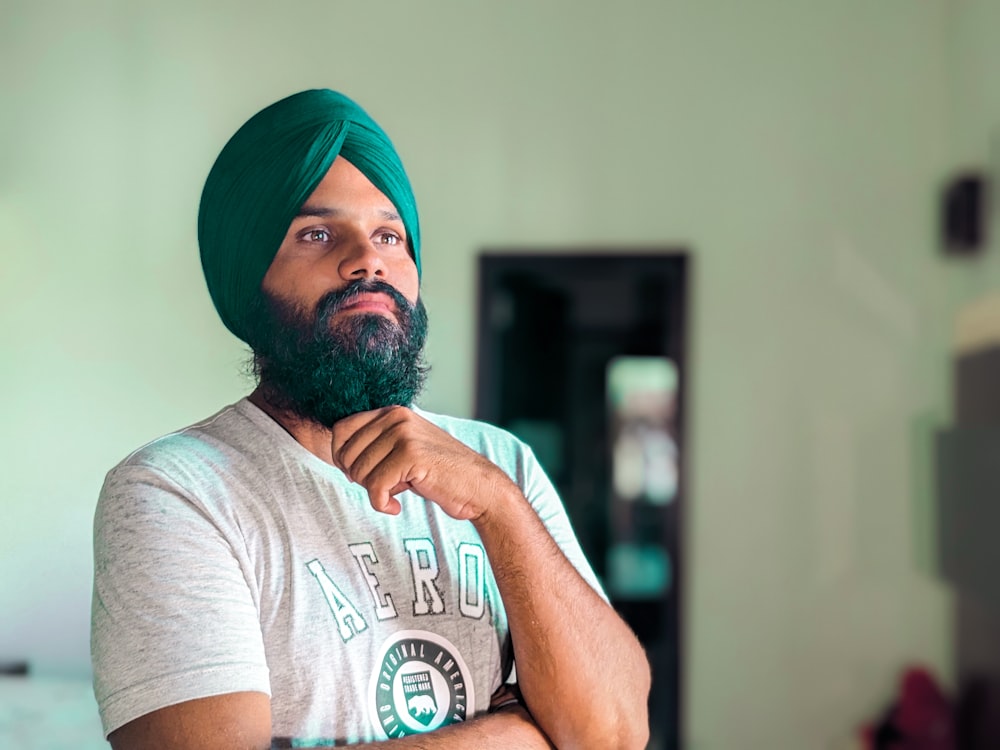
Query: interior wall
point(795, 148)
point(974, 104)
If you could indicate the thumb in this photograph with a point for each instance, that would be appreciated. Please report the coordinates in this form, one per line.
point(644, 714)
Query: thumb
point(386, 502)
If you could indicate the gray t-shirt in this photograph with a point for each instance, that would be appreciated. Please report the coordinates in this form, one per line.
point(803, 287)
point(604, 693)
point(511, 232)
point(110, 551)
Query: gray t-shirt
point(229, 558)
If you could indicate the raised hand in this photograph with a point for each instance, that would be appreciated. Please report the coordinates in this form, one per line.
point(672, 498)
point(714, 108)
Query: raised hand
point(394, 449)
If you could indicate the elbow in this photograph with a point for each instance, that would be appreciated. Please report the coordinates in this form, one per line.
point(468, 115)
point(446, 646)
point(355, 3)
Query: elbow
point(623, 732)
point(629, 731)
point(621, 723)
point(634, 736)
point(632, 726)
point(628, 726)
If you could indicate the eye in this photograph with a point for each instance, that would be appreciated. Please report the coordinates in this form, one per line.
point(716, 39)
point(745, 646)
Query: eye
point(316, 235)
point(385, 237)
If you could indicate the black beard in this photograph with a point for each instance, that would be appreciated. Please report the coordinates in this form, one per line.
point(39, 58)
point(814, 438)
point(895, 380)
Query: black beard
point(322, 372)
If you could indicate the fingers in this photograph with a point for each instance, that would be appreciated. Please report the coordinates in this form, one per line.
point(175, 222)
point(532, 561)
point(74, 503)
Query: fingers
point(371, 449)
point(354, 434)
point(388, 451)
point(361, 446)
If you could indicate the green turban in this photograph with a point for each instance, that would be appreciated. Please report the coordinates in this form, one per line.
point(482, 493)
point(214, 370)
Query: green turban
point(264, 175)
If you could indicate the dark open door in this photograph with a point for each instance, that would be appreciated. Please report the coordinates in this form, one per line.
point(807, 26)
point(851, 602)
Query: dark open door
point(582, 356)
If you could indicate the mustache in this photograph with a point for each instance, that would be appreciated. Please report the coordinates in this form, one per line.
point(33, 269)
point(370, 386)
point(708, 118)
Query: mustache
point(332, 302)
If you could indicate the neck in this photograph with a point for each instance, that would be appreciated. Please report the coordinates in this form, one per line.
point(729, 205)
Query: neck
point(312, 436)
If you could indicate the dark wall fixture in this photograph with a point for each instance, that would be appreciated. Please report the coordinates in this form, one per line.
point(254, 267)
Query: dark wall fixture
point(582, 356)
point(965, 214)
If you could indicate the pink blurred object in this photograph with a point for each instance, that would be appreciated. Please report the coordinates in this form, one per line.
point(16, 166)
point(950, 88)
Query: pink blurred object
point(921, 718)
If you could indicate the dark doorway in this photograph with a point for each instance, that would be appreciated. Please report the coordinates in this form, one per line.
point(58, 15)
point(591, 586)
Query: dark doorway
point(582, 356)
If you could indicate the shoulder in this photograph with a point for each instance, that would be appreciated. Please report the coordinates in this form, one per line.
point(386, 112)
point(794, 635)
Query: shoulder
point(214, 439)
point(211, 472)
point(214, 452)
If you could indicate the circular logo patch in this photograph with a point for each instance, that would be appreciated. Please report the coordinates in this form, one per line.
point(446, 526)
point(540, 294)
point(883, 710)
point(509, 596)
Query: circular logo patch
point(421, 684)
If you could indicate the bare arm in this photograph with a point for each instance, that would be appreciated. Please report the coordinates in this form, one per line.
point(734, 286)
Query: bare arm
point(583, 674)
point(242, 721)
point(580, 668)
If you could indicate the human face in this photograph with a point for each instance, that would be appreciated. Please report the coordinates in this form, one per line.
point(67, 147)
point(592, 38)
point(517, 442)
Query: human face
point(347, 230)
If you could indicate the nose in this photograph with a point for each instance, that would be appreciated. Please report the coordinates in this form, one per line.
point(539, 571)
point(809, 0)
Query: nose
point(360, 260)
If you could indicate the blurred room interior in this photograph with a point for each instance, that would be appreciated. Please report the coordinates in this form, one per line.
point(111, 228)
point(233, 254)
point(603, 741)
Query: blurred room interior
point(730, 269)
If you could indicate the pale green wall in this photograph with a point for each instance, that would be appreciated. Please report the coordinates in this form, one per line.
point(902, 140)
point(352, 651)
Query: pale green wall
point(974, 101)
point(796, 148)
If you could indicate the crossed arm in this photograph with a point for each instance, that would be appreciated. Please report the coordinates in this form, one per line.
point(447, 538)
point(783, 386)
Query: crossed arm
point(242, 721)
point(582, 673)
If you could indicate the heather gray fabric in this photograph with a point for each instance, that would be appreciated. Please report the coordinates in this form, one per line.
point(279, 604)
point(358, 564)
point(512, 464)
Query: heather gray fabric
point(229, 558)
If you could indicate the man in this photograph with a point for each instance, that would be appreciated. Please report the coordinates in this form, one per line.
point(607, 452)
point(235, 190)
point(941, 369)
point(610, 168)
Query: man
point(323, 563)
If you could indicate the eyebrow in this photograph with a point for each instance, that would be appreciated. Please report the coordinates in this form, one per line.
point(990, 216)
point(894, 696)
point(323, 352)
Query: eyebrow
point(326, 212)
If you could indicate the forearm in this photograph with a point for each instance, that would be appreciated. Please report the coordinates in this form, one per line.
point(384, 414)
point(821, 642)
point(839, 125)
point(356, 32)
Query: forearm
point(583, 674)
point(508, 729)
point(242, 721)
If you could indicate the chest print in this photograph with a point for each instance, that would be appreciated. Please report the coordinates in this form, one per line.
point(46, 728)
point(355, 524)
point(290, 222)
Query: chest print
point(424, 595)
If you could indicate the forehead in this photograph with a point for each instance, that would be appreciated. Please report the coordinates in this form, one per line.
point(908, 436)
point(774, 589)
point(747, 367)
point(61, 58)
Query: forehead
point(344, 187)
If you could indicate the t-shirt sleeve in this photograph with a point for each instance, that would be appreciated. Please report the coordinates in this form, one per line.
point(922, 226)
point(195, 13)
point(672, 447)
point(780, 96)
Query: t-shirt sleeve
point(174, 615)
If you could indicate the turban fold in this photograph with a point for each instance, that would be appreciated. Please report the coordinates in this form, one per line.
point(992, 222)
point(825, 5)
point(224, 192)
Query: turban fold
point(264, 175)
